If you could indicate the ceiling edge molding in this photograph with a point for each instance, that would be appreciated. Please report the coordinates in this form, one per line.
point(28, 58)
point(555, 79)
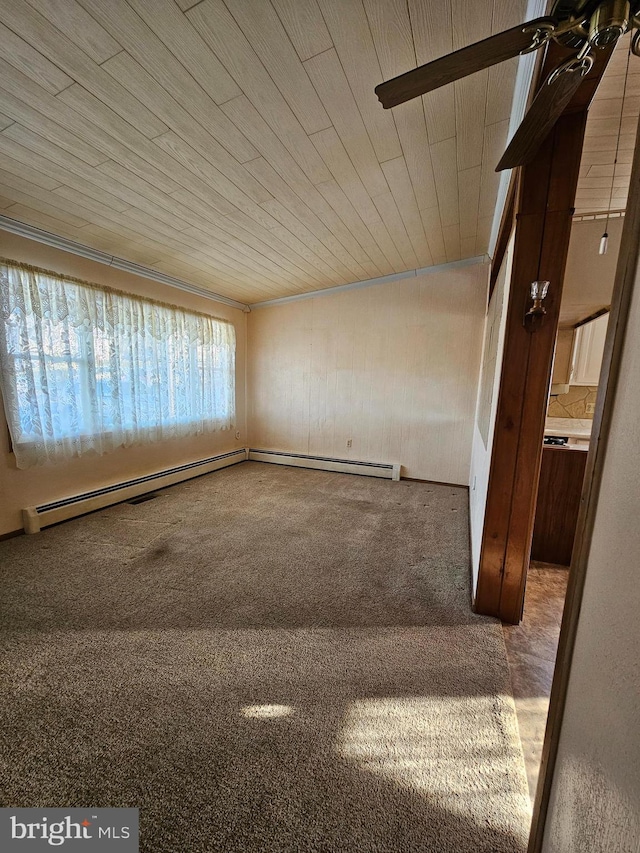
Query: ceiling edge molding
point(66, 245)
point(369, 282)
point(524, 78)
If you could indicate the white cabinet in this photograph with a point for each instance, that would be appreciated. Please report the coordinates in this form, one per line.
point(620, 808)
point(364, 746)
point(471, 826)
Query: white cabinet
point(562, 357)
point(588, 347)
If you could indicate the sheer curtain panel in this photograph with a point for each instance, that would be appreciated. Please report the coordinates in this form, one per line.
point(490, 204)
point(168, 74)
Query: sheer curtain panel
point(88, 369)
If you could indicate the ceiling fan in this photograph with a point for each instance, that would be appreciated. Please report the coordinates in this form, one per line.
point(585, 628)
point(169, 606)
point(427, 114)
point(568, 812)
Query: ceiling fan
point(581, 25)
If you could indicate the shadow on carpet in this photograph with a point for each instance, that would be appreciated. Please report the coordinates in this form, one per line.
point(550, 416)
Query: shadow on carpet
point(268, 660)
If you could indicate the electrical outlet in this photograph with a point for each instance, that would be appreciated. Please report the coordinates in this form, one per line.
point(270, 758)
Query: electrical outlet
point(237, 435)
point(590, 408)
point(349, 442)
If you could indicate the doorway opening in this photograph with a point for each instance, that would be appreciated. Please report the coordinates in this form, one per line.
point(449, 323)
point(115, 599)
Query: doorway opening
point(584, 315)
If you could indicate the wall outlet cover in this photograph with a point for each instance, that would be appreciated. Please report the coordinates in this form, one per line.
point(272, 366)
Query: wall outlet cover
point(590, 408)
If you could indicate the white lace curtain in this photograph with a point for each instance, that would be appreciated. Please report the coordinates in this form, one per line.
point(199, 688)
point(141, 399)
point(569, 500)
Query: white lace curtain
point(88, 369)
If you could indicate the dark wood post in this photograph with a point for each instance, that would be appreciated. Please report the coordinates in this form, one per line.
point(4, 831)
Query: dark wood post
point(544, 208)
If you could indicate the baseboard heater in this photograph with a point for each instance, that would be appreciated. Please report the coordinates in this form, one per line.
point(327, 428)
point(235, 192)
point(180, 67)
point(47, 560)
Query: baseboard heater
point(323, 463)
point(35, 518)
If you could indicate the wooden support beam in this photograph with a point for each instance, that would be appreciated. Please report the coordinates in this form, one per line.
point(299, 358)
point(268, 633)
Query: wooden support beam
point(544, 209)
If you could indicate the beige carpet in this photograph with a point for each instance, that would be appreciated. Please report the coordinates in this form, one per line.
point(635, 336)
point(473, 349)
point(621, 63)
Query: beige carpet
point(264, 659)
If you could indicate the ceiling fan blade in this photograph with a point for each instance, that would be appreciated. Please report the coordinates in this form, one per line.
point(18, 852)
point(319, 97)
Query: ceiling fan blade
point(461, 63)
point(544, 112)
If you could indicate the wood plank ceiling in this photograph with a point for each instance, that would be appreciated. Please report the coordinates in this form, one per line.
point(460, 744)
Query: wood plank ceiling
point(603, 184)
point(239, 145)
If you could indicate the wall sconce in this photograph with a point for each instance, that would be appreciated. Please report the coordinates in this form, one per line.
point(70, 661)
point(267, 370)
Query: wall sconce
point(534, 316)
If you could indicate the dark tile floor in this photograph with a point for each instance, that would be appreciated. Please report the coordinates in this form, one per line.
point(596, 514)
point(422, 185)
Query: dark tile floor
point(531, 650)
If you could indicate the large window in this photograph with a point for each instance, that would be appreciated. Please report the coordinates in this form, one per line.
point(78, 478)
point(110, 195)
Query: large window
point(90, 369)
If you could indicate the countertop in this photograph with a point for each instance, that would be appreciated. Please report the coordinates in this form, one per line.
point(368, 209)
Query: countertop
point(569, 427)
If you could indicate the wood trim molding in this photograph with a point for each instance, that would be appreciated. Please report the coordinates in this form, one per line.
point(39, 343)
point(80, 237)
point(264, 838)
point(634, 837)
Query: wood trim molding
point(627, 273)
point(23, 229)
point(591, 317)
point(370, 282)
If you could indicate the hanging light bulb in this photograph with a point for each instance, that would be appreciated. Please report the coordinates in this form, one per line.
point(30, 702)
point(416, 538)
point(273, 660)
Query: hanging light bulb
point(604, 244)
point(604, 240)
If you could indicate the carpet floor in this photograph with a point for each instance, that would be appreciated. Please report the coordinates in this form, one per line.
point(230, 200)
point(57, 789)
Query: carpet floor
point(263, 659)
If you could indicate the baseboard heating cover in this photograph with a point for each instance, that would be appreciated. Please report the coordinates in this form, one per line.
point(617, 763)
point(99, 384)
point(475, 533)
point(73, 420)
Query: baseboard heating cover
point(323, 463)
point(35, 518)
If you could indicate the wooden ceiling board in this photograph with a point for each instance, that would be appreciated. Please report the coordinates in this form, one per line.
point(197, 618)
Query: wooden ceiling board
point(452, 243)
point(37, 132)
point(334, 195)
point(24, 192)
point(323, 225)
point(240, 145)
point(253, 263)
point(305, 26)
point(472, 23)
point(219, 29)
point(79, 26)
point(175, 32)
point(357, 55)
point(390, 215)
point(288, 171)
point(433, 229)
point(270, 245)
point(263, 29)
point(324, 251)
point(32, 63)
point(211, 132)
point(432, 27)
point(391, 29)
point(153, 55)
point(613, 118)
point(397, 175)
point(54, 45)
point(445, 169)
point(333, 152)
point(74, 174)
point(469, 200)
point(40, 219)
point(328, 77)
point(14, 167)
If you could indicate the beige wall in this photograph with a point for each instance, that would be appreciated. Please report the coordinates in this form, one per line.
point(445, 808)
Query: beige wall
point(40, 485)
point(595, 800)
point(391, 367)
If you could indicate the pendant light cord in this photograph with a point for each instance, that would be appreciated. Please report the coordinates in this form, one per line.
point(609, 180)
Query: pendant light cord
point(615, 160)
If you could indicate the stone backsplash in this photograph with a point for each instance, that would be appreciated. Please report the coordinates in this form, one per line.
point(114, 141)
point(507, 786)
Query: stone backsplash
point(573, 404)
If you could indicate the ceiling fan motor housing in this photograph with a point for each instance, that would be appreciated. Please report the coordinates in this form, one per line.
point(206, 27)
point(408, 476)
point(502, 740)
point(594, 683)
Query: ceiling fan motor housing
point(609, 21)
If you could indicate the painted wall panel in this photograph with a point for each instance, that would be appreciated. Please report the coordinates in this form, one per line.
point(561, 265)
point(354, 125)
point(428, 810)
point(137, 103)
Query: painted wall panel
point(595, 799)
point(487, 407)
point(393, 368)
